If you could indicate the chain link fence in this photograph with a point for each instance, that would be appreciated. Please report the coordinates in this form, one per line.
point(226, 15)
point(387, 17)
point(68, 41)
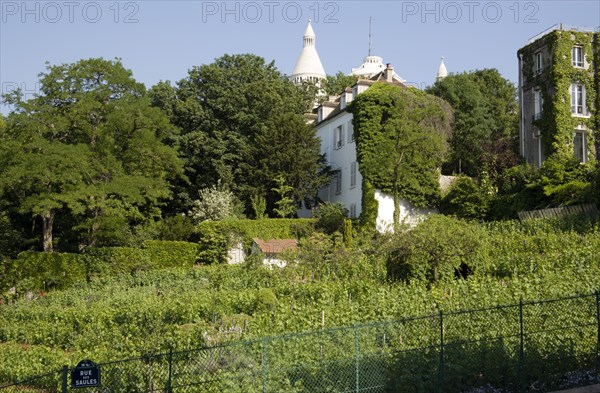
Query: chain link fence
point(527, 347)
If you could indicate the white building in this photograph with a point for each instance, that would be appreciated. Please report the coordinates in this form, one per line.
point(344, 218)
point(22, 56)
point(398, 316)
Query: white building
point(334, 128)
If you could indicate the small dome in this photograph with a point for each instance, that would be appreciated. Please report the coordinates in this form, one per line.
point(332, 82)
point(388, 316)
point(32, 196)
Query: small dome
point(371, 66)
point(442, 71)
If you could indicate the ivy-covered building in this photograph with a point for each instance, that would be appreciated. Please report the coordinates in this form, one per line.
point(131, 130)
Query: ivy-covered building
point(559, 81)
point(334, 127)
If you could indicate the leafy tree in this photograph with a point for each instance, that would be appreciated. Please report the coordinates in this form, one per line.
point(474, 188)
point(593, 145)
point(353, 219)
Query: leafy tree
point(213, 205)
point(285, 206)
point(259, 206)
point(465, 199)
point(519, 189)
point(42, 178)
point(90, 146)
point(401, 138)
point(439, 243)
point(241, 125)
point(10, 238)
point(336, 84)
point(485, 127)
point(301, 167)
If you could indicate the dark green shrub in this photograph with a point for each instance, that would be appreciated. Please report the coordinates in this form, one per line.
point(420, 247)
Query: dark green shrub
point(330, 217)
point(176, 228)
point(465, 199)
point(43, 270)
point(213, 244)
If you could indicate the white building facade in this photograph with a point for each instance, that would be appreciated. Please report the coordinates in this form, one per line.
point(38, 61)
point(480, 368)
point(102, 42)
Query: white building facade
point(334, 127)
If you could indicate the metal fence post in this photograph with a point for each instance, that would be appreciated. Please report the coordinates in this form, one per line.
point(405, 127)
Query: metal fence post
point(521, 348)
point(264, 364)
point(598, 330)
point(442, 366)
point(357, 351)
point(65, 379)
point(169, 381)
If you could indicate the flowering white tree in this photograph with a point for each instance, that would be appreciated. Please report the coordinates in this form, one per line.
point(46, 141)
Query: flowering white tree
point(213, 205)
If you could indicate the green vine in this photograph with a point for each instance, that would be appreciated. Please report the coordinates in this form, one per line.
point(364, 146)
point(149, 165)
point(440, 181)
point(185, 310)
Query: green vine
point(557, 123)
point(370, 206)
point(401, 136)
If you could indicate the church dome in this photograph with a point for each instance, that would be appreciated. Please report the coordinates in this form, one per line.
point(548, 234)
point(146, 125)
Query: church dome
point(308, 66)
point(371, 65)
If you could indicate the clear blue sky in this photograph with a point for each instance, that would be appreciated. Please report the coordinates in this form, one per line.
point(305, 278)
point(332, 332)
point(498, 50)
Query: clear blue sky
point(161, 40)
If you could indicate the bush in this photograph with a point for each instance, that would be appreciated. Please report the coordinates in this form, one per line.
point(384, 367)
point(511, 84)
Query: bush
point(465, 199)
point(213, 205)
point(330, 217)
point(434, 249)
point(43, 270)
point(176, 228)
point(265, 300)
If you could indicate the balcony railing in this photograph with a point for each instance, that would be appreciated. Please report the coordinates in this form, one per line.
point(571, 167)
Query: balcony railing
point(560, 26)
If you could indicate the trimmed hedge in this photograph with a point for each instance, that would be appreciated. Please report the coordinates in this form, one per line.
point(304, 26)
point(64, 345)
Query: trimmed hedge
point(170, 253)
point(43, 271)
point(271, 228)
point(37, 271)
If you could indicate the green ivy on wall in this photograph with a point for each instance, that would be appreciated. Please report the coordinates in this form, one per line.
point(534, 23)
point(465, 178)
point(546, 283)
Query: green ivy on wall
point(401, 140)
point(557, 123)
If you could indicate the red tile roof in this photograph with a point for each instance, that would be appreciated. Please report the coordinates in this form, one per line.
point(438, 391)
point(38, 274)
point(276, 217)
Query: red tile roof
point(275, 246)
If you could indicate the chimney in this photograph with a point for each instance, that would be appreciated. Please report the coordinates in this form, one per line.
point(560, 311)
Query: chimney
point(389, 73)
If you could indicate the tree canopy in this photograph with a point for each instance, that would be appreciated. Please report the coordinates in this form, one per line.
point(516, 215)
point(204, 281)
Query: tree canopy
point(485, 127)
point(336, 84)
point(90, 148)
point(242, 127)
point(401, 138)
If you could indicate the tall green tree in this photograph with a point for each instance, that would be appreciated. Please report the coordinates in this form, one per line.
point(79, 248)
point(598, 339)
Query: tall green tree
point(242, 126)
point(90, 146)
point(485, 127)
point(336, 84)
point(401, 139)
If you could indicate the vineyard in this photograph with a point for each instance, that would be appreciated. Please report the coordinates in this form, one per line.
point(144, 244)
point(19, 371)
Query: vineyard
point(334, 309)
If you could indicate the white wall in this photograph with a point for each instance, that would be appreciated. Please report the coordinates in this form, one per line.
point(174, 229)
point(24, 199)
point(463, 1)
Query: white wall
point(340, 158)
point(409, 214)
